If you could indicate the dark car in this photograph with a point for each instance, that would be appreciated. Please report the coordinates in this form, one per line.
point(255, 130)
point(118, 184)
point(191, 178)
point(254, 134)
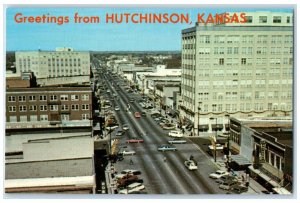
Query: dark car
point(238, 189)
point(143, 113)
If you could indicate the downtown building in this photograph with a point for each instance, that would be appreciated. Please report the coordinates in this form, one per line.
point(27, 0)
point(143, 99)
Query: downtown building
point(241, 70)
point(63, 66)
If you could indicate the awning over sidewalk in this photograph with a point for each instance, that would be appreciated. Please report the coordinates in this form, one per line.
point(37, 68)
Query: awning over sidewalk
point(265, 177)
point(281, 190)
point(240, 160)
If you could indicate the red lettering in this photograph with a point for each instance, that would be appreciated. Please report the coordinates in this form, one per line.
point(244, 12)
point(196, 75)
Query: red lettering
point(18, 20)
point(243, 17)
point(200, 18)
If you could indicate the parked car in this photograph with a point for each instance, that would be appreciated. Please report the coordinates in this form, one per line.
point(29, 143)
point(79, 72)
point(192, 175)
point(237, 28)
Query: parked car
point(166, 148)
point(131, 171)
point(218, 147)
point(227, 185)
point(191, 165)
point(134, 187)
point(135, 140)
point(126, 152)
point(175, 133)
point(177, 141)
point(238, 189)
point(144, 113)
point(137, 114)
point(218, 174)
point(225, 178)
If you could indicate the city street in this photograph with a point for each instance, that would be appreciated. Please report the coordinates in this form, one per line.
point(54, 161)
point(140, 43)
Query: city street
point(170, 177)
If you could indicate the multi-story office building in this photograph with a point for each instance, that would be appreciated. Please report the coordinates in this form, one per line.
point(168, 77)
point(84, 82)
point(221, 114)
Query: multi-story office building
point(237, 69)
point(48, 107)
point(62, 66)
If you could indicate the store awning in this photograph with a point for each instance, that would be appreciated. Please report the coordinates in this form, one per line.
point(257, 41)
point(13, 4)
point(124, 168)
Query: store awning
point(240, 160)
point(281, 191)
point(265, 177)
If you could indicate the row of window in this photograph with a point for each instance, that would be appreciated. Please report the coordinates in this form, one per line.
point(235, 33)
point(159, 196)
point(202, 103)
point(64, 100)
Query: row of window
point(74, 97)
point(33, 118)
point(246, 107)
point(229, 39)
point(243, 50)
point(23, 108)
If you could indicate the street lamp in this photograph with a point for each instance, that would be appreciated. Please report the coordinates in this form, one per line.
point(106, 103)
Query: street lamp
point(228, 142)
point(199, 109)
point(216, 138)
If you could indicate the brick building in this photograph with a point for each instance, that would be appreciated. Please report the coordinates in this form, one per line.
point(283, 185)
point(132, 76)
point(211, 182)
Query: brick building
point(42, 107)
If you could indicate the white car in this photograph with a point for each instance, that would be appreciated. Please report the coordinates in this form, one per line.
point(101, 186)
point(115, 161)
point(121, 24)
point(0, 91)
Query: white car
point(134, 187)
point(218, 174)
point(117, 108)
point(191, 165)
point(218, 147)
point(125, 152)
point(125, 127)
point(174, 133)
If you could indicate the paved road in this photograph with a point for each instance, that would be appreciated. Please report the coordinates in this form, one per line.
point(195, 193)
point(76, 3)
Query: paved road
point(170, 177)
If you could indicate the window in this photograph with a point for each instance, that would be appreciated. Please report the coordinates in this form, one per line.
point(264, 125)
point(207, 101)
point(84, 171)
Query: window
point(248, 19)
point(84, 97)
point(235, 50)
point(43, 117)
point(22, 98)
point(75, 107)
point(74, 97)
point(53, 107)
point(32, 98)
point(65, 117)
point(33, 118)
point(65, 107)
point(12, 108)
point(243, 61)
point(288, 19)
point(11, 98)
point(262, 19)
point(221, 61)
point(43, 98)
point(64, 97)
point(85, 116)
point(43, 107)
point(22, 108)
point(53, 97)
point(32, 108)
point(277, 19)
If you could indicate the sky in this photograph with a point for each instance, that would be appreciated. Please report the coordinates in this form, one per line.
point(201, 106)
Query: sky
point(102, 36)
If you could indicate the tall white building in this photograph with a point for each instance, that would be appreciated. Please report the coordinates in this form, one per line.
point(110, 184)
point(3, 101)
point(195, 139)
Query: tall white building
point(242, 70)
point(55, 67)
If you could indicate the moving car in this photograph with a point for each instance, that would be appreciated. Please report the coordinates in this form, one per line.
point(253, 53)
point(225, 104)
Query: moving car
point(218, 174)
point(191, 165)
point(135, 140)
point(125, 152)
point(166, 148)
point(177, 141)
point(218, 147)
point(119, 133)
point(125, 127)
point(134, 187)
point(144, 113)
point(117, 108)
point(174, 133)
point(137, 114)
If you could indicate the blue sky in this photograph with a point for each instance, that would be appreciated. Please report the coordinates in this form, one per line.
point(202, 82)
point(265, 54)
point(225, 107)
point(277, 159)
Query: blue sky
point(102, 36)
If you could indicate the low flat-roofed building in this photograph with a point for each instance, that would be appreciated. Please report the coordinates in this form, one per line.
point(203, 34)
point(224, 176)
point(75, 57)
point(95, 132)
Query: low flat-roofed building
point(53, 165)
point(268, 144)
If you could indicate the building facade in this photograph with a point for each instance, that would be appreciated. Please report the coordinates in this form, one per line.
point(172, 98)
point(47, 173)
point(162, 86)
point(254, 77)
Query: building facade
point(43, 107)
point(61, 65)
point(243, 70)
